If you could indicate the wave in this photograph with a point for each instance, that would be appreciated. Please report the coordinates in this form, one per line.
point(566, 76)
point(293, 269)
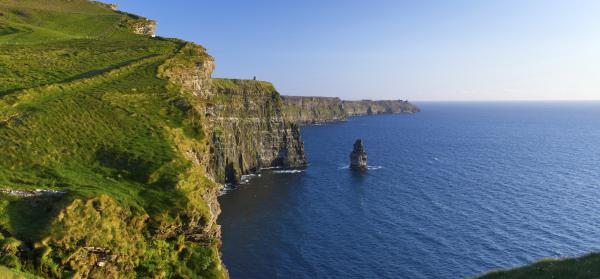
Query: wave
point(287, 171)
point(247, 177)
point(227, 188)
point(368, 167)
point(270, 168)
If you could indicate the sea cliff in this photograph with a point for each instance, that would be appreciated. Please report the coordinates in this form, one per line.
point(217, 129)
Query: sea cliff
point(115, 145)
point(248, 131)
point(369, 107)
point(307, 110)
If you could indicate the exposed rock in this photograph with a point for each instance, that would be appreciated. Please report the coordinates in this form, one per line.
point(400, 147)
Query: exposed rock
point(113, 7)
point(137, 24)
point(145, 27)
point(358, 157)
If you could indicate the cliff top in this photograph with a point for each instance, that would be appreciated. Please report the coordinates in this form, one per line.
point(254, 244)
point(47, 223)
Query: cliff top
point(84, 112)
point(236, 84)
point(31, 21)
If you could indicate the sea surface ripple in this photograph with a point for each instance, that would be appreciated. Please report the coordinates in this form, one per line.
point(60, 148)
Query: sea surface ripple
point(454, 191)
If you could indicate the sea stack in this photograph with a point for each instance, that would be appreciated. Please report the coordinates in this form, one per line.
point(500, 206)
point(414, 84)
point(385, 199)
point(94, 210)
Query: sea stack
point(358, 157)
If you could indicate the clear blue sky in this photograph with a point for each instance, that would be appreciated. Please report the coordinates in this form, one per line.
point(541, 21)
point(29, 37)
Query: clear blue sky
point(393, 49)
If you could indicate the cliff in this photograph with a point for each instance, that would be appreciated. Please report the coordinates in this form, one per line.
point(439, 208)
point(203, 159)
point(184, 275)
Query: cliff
point(368, 107)
point(306, 110)
point(313, 109)
point(248, 130)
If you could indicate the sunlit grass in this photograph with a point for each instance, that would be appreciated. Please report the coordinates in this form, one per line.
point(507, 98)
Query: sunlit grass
point(83, 110)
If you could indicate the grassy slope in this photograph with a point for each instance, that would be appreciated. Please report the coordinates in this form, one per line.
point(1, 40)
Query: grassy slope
point(6, 273)
point(82, 110)
point(572, 268)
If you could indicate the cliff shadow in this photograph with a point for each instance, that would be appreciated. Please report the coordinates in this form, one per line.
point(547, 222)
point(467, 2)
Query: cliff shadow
point(30, 217)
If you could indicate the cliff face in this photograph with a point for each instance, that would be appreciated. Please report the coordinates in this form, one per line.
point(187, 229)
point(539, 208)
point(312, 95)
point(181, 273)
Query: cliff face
point(313, 109)
point(368, 107)
point(306, 110)
point(248, 129)
point(241, 120)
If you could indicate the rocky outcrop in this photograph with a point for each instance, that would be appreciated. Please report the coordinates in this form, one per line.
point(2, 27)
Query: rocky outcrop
point(113, 7)
point(137, 24)
point(145, 27)
point(310, 110)
point(358, 157)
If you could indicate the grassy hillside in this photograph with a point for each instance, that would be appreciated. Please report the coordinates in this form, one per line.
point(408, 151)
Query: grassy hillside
point(83, 112)
point(572, 268)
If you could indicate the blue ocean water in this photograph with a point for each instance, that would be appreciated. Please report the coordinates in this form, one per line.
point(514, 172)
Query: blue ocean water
point(454, 191)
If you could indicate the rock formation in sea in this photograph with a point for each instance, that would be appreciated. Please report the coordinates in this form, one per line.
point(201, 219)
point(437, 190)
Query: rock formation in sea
point(358, 157)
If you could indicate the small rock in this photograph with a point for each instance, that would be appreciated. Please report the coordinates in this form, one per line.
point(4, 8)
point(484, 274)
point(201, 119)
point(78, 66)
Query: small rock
point(101, 264)
point(358, 157)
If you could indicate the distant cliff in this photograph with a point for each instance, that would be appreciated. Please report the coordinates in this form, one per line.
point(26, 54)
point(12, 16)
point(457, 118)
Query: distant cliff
point(368, 107)
point(313, 109)
point(305, 110)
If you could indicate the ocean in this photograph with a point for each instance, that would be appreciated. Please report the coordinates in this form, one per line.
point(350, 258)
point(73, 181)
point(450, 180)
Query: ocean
point(452, 192)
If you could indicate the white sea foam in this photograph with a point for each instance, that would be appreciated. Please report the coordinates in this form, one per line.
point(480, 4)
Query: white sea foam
point(287, 171)
point(368, 167)
point(244, 179)
point(227, 188)
point(270, 168)
point(374, 167)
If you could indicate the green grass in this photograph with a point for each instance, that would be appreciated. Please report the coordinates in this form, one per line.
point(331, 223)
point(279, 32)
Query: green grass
point(572, 268)
point(7, 273)
point(260, 87)
point(55, 20)
point(84, 109)
point(47, 63)
point(104, 138)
